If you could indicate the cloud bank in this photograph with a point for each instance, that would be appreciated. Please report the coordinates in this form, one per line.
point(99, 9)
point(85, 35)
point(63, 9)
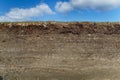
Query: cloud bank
point(101, 5)
point(19, 14)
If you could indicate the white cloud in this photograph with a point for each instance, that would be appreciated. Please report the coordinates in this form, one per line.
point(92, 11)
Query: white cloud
point(88, 4)
point(19, 14)
point(63, 7)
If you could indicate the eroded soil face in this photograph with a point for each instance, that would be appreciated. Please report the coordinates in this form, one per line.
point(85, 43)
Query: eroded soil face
point(56, 56)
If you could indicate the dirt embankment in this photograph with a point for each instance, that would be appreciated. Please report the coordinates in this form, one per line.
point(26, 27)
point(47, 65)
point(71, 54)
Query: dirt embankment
point(61, 28)
point(92, 55)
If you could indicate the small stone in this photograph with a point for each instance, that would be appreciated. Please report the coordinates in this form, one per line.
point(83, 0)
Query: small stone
point(4, 41)
point(1, 78)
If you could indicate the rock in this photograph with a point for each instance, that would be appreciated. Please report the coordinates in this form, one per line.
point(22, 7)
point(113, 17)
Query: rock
point(1, 78)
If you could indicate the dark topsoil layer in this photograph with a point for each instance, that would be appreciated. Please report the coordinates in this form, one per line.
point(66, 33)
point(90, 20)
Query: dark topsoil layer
point(60, 28)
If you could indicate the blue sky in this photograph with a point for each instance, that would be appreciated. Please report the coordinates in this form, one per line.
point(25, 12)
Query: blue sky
point(60, 10)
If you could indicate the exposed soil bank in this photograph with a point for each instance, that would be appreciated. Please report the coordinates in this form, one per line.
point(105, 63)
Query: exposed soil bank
point(60, 51)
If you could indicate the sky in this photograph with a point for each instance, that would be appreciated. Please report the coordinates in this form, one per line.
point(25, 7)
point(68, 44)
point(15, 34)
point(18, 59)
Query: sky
point(60, 10)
